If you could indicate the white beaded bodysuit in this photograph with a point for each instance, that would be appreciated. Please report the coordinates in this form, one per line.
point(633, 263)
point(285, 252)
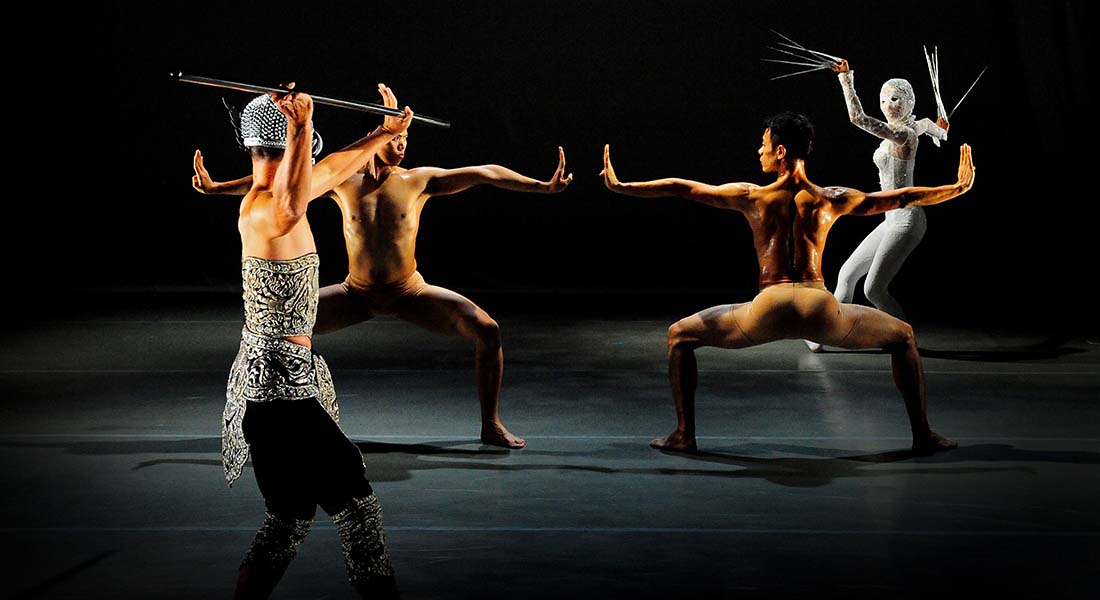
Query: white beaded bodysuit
point(880, 256)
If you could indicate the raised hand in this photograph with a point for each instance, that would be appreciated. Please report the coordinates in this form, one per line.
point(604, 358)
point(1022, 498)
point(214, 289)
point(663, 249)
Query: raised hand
point(841, 67)
point(201, 180)
point(297, 107)
point(394, 125)
point(966, 167)
point(608, 172)
point(942, 122)
point(560, 180)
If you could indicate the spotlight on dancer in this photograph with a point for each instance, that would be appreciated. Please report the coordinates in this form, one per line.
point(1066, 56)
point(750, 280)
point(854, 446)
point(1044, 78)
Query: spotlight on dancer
point(790, 219)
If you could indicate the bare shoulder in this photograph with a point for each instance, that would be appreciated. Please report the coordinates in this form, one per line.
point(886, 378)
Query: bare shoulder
point(254, 199)
point(838, 200)
point(407, 182)
point(833, 193)
point(416, 174)
point(256, 207)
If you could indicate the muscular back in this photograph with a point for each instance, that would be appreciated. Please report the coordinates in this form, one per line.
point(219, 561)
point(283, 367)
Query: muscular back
point(789, 226)
point(381, 219)
point(791, 217)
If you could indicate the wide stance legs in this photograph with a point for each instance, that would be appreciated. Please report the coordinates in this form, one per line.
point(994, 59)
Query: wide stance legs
point(435, 309)
point(795, 311)
point(446, 312)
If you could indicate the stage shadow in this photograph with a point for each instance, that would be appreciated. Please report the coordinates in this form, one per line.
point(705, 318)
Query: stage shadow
point(385, 461)
point(964, 453)
point(1047, 349)
point(835, 464)
point(1001, 354)
point(1051, 347)
point(397, 462)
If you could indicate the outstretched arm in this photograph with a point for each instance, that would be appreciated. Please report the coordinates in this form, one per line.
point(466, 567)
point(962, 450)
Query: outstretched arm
point(733, 196)
point(203, 183)
point(855, 108)
point(442, 182)
point(331, 171)
point(854, 202)
point(337, 167)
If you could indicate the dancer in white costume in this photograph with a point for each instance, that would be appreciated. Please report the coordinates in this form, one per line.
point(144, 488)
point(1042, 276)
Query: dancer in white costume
point(880, 256)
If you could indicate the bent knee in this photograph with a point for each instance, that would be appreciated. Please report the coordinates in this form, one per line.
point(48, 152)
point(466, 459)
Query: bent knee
point(903, 335)
point(678, 335)
point(487, 330)
point(674, 333)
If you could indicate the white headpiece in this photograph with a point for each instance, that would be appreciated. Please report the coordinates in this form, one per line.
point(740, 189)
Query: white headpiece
point(907, 100)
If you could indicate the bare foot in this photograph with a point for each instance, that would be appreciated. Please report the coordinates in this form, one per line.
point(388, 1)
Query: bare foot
point(678, 441)
point(497, 435)
point(932, 444)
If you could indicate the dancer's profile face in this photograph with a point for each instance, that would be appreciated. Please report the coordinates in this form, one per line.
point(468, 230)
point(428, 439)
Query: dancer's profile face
point(769, 160)
point(895, 103)
point(394, 152)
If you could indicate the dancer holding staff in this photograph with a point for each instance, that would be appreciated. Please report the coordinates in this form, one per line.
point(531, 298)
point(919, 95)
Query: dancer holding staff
point(280, 402)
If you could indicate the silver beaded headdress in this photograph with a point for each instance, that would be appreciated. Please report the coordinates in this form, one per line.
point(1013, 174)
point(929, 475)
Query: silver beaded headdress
point(262, 124)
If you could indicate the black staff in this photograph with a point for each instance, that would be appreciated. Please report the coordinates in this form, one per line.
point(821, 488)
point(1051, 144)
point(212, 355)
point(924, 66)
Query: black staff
point(352, 104)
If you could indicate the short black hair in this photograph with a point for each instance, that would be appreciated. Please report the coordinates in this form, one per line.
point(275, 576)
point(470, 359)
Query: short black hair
point(794, 131)
point(266, 152)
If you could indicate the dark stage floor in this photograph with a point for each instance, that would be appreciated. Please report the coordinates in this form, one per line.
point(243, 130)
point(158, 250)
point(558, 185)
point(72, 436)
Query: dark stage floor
point(110, 436)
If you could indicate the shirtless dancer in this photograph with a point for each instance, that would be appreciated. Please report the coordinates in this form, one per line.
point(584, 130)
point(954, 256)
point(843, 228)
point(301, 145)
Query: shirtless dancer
point(790, 220)
point(381, 206)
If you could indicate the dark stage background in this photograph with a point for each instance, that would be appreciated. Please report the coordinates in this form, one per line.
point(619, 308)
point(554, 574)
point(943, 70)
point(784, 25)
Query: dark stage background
point(677, 89)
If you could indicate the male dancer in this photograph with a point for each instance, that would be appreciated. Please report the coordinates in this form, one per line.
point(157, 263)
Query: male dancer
point(381, 206)
point(280, 403)
point(790, 220)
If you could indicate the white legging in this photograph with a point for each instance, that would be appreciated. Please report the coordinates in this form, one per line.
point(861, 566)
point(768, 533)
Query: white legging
point(879, 257)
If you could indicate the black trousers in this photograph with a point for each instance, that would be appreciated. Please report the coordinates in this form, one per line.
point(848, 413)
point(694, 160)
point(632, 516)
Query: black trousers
point(301, 459)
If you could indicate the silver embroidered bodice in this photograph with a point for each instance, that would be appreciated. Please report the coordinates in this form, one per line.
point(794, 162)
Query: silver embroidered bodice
point(280, 296)
point(267, 370)
point(280, 300)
